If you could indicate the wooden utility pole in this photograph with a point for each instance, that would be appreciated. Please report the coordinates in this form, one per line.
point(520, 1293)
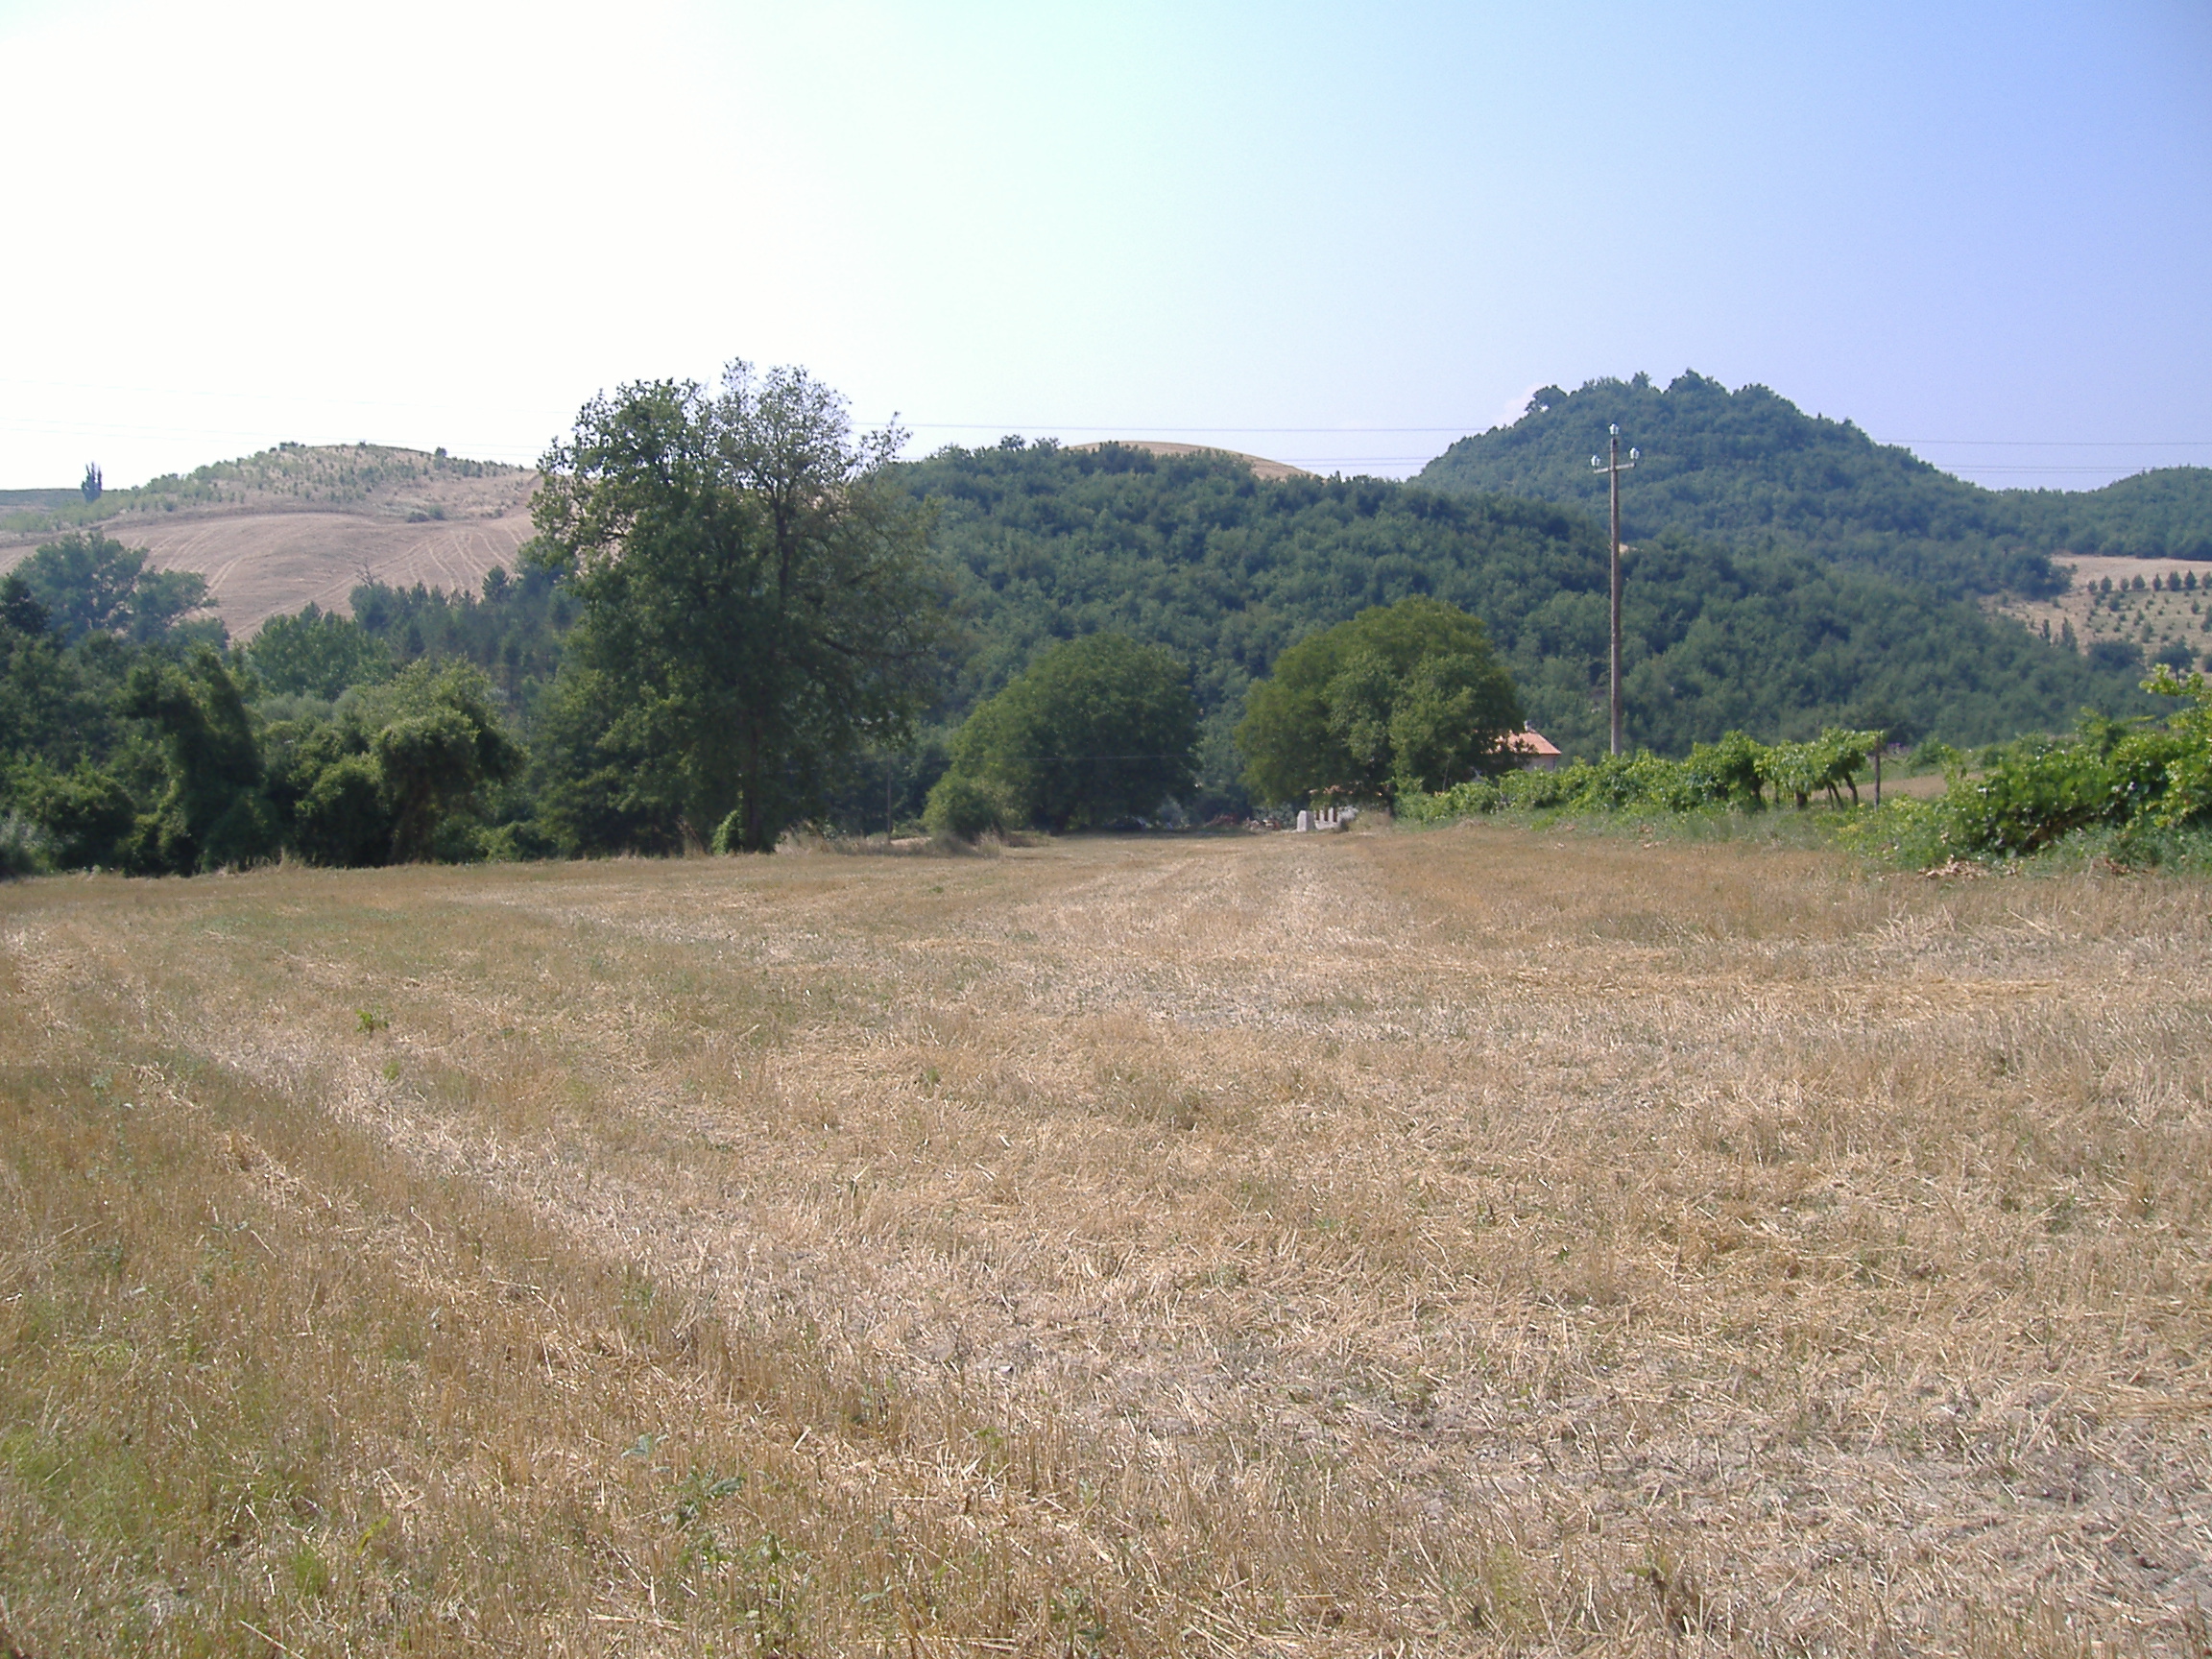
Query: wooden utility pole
point(1613, 466)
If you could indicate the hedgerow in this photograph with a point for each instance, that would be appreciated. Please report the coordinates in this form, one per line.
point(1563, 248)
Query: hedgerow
point(2123, 789)
point(2140, 794)
point(1734, 772)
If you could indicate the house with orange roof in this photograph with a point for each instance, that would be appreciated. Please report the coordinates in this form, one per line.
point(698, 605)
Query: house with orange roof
point(1532, 751)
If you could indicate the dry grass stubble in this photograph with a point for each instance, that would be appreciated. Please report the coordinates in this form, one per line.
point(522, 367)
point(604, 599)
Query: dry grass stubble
point(1476, 1240)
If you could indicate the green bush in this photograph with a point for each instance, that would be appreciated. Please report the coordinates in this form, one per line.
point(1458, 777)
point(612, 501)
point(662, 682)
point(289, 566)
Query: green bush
point(22, 848)
point(316, 654)
point(215, 813)
point(1096, 730)
point(1401, 699)
point(2115, 789)
point(961, 808)
point(396, 773)
point(1726, 775)
point(84, 817)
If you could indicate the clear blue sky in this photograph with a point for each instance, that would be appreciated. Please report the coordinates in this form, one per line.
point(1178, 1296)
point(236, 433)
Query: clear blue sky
point(1985, 230)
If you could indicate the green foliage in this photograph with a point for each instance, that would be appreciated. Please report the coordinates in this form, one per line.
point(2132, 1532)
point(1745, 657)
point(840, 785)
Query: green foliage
point(1193, 553)
point(342, 817)
point(1402, 696)
point(758, 599)
point(399, 773)
point(21, 611)
point(85, 583)
point(2165, 513)
point(599, 783)
point(513, 631)
point(93, 583)
point(316, 654)
point(214, 813)
point(1727, 773)
point(2187, 798)
point(2123, 777)
point(85, 817)
point(1097, 730)
point(438, 744)
point(1750, 470)
point(961, 807)
point(1830, 762)
point(1717, 777)
point(23, 849)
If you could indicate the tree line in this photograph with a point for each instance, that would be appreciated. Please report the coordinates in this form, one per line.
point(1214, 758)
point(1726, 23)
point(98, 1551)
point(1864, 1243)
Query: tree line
point(739, 616)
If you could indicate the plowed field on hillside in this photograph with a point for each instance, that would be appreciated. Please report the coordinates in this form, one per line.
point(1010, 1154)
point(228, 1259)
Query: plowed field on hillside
point(263, 564)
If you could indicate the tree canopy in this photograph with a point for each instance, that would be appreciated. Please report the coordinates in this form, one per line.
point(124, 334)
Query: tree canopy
point(317, 652)
point(1408, 695)
point(756, 599)
point(1096, 731)
point(736, 615)
point(1750, 470)
point(92, 584)
point(1193, 553)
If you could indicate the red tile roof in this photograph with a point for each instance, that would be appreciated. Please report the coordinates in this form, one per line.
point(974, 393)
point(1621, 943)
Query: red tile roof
point(1532, 743)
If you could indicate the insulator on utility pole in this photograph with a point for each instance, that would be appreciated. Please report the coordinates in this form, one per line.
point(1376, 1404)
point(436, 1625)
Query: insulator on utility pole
point(1613, 466)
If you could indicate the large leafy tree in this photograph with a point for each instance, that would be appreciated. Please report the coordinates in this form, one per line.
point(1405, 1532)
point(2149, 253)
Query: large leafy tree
point(757, 601)
point(92, 584)
point(1096, 728)
point(1404, 695)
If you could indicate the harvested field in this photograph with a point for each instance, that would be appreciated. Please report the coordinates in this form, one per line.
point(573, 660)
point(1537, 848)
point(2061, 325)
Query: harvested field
point(1481, 1241)
point(290, 527)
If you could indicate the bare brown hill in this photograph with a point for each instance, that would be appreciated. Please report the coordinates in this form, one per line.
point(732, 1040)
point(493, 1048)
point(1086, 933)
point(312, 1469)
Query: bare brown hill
point(272, 532)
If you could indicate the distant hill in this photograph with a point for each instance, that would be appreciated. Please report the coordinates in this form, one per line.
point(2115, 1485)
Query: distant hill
point(1750, 468)
point(1259, 466)
point(1203, 551)
point(2163, 514)
point(296, 524)
point(1194, 552)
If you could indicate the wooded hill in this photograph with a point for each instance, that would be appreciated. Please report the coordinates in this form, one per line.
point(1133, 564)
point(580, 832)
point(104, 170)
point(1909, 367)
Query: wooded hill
point(1750, 468)
point(1193, 553)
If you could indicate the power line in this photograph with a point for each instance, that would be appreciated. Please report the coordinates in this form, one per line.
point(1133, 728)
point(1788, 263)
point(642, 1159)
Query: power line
point(2060, 442)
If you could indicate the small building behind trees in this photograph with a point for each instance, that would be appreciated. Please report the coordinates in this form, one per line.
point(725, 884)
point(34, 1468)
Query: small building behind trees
point(1532, 752)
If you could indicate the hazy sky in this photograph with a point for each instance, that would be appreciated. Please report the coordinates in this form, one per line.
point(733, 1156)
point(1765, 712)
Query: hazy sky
point(1340, 235)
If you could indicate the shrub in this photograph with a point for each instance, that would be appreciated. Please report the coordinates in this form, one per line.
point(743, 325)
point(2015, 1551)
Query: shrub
point(962, 808)
point(1717, 776)
point(22, 848)
point(2140, 795)
point(83, 818)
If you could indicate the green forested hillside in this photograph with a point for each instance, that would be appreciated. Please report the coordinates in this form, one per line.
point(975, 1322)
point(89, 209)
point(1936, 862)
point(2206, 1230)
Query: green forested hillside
point(151, 747)
point(1750, 468)
point(1193, 553)
point(2161, 513)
